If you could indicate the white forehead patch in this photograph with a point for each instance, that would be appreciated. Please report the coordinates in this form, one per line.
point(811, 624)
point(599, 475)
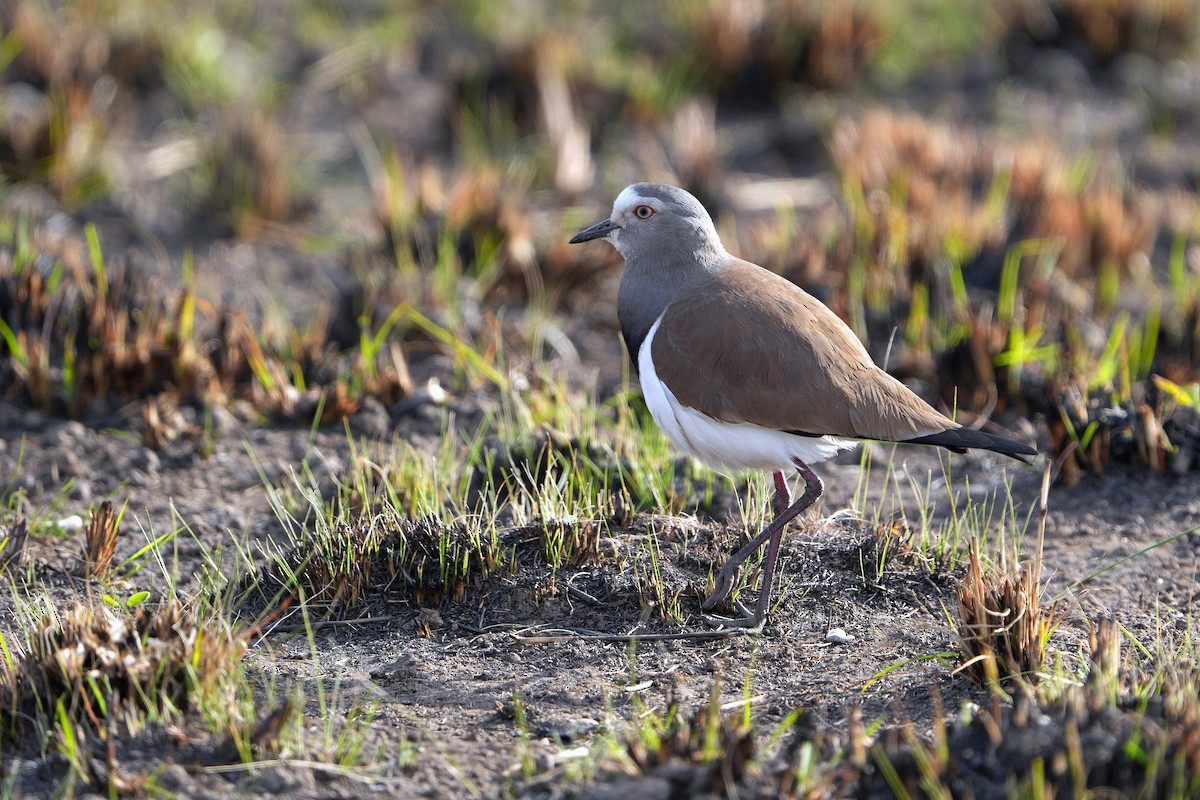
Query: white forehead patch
point(629, 198)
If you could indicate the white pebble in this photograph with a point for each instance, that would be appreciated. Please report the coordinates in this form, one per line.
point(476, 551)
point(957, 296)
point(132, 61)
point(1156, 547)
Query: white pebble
point(71, 524)
point(437, 395)
point(838, 636)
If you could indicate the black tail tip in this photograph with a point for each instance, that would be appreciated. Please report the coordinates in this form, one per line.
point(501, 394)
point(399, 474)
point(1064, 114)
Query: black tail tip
point(962, 439)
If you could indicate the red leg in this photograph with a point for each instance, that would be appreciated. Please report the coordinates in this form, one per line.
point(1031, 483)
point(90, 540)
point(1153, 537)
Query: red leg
point(773, 533)
point(783, 495)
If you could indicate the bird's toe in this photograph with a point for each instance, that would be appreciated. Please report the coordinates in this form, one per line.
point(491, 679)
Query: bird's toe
point(723, 585)
point(748, 623)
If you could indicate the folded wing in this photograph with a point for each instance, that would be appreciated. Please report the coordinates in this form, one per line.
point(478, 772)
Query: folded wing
point(750, 346)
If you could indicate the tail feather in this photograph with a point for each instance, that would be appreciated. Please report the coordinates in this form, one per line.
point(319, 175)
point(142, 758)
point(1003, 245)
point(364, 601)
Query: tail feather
point(961, 439)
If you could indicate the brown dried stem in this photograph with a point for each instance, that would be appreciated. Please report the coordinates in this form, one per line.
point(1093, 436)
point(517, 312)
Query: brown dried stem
point(100, 538)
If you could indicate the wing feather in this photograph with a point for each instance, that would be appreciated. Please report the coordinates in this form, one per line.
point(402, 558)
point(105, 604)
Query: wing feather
point(750, 346)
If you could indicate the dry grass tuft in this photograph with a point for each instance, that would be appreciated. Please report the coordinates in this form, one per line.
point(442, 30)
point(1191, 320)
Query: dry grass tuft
point(1107, 679)
point(1161, 30)
point(923, 184)
point(76, 72)
point(1121, 733)
point(1090, 433)
point(81, 336)
point(702, 752)
point(100, 540)
point(91, 333)
point(13, 544)
point(1003, 628)
point(889, 541)
point(752, 51)
point(162, 421)
point(247, 174)
point(96, 662)
point(916, 179)
point(1057, 243)
point(1173, 741)
point(718, 751)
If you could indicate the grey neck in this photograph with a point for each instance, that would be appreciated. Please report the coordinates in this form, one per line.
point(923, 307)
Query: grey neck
point(646, 291)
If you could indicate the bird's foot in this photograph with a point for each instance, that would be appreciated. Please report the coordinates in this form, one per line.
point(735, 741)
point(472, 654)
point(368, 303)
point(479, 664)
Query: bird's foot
point(749, 622)
point(723, 585)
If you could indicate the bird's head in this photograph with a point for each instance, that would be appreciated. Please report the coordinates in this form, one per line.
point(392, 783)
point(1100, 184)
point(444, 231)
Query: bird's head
point(656, 221)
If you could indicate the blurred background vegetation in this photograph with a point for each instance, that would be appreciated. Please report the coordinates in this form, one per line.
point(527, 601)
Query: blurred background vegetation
point(209, 202)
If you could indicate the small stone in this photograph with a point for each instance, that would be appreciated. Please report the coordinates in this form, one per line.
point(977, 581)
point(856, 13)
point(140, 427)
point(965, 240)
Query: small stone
point(431, 394)
point(1181, 463)
point(70, 525)
point(838, 636)
point(290, 779)
point(428, 619)
point(70, 463)
point(221, 419)
point(69, 434)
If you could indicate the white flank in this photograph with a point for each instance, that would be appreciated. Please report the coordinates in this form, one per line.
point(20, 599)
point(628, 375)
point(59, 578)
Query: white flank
point(736, 445)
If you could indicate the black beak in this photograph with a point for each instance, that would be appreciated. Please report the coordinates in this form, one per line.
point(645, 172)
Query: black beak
point(597, 231)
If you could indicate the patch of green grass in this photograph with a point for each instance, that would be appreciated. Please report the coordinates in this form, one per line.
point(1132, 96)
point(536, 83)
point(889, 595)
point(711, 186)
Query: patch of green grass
point(91, 662)
point(929, 34)
point(719, 747)
point(1072, 242)
point(653, 587)
point(106, 335)
point(1145, 712)
point(915, 519)
point(550, 470)
point(82, 678)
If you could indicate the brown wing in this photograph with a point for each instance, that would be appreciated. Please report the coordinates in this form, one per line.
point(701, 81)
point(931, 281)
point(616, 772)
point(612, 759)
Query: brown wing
point(750, 346)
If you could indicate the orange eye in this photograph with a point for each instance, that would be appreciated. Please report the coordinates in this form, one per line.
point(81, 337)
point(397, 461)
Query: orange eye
point(644, 212)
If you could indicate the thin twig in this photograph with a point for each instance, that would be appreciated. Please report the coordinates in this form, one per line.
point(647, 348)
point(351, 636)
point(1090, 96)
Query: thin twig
point(329, 623)
point(579, 594)
point(571, 634)
point(317, 766)
point(1043, 509)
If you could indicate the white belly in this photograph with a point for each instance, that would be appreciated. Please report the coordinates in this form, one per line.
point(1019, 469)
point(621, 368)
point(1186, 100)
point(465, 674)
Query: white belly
point(737, 445)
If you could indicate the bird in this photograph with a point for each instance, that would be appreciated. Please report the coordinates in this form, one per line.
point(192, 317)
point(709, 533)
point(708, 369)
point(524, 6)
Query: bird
point(744, 370)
